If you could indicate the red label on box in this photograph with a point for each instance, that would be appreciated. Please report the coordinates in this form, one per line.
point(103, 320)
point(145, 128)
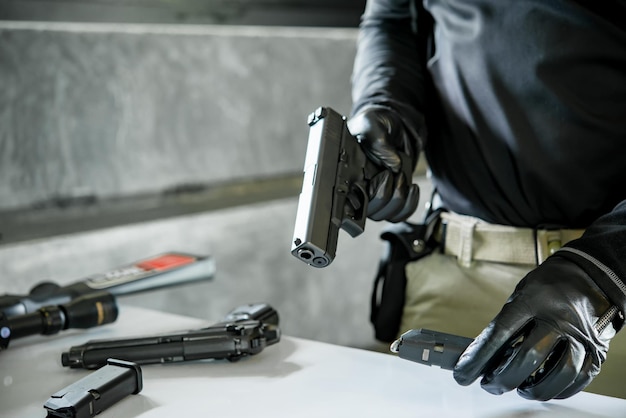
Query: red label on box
point(166, 262)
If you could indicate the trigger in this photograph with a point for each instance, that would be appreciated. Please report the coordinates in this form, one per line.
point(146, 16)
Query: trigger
point(355, 206)
point(354, 201)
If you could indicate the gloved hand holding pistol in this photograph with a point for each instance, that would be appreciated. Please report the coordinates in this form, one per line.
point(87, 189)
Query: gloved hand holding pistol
point(387, 142)
point(550, 338)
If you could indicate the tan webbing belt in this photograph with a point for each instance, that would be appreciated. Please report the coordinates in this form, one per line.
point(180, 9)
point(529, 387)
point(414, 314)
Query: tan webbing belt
point(469, 238)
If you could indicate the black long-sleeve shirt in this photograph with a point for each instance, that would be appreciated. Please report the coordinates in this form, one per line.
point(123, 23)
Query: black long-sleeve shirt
point(521, 107)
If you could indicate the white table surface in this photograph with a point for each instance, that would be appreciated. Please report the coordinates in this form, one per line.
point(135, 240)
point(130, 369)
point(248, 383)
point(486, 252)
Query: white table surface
point(294, 378)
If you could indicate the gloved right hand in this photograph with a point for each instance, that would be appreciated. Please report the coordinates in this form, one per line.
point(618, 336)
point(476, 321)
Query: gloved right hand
point(553, 330)
point(385, 141)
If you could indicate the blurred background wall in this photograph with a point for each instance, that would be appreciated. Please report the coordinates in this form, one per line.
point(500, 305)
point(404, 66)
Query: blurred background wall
point(131, 128)
point(325, 13)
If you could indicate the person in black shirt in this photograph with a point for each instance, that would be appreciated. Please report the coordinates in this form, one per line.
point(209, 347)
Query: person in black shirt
point(520, 110)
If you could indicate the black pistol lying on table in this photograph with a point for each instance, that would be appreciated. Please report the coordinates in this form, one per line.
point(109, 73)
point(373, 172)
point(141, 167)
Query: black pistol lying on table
point(246, 330)
point(334, 189)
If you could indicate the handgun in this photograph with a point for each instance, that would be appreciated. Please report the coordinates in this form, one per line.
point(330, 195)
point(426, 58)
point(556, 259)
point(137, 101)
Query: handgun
point(334, 189)
point(156, 272)
point(86, 311)
point(245, 331)
point(432, 348)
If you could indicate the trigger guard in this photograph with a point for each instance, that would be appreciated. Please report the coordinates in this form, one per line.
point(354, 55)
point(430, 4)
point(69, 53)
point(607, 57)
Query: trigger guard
point(354, 220)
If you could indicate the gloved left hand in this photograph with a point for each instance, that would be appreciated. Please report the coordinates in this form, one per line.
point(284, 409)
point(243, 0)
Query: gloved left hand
point(545, 341)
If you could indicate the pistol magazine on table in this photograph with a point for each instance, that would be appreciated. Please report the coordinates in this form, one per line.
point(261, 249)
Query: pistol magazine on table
point(96, 392)
point(432, 348)
point(334, 189)
point(247, 330)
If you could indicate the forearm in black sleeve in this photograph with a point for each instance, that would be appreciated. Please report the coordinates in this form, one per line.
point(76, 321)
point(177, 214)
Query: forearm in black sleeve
point(601, 252)
point(388, 68)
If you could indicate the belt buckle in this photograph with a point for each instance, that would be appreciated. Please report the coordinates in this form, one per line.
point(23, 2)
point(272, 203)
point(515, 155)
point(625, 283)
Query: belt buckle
point(547, 243)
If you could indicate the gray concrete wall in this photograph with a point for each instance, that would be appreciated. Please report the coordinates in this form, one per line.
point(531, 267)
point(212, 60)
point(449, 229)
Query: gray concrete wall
point(116, 110)
point(121, 110)
point(329, 13)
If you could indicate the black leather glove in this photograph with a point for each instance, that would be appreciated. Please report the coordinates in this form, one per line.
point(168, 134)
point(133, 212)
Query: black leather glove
point(546, 341)
point(384, 139)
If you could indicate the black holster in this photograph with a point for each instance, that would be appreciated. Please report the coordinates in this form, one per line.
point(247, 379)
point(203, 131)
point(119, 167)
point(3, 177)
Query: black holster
point(405, 242)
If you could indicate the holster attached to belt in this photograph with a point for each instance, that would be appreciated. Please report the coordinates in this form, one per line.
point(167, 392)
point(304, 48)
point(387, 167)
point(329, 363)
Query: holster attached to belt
point(405, 242)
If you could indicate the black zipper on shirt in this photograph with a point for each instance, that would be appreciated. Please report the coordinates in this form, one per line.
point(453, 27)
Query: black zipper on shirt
point(610, 314)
